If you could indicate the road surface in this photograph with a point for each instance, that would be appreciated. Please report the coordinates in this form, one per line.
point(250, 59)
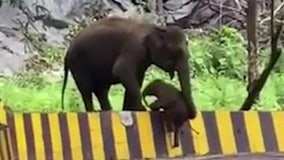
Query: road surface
point(244, 156)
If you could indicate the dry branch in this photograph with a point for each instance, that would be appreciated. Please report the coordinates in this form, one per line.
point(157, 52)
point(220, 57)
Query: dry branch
point(274, 13)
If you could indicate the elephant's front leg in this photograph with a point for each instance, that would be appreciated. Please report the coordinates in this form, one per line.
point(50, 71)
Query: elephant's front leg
point(126, 70)
point(132, 96)
point(132, 99)
point(132, 102)
point(129, 103)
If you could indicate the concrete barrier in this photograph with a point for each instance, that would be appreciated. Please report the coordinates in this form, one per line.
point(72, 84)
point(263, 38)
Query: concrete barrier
point(140, 135)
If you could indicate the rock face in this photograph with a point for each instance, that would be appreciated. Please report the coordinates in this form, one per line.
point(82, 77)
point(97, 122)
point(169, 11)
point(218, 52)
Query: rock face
point(51, 18)
point(13, 47)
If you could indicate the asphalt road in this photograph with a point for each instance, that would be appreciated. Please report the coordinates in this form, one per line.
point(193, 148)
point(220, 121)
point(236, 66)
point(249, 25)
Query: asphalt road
point(245, 156)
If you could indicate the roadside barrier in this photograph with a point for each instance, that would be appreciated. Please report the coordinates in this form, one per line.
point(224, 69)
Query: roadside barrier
point(139, 135)
point(5, 143)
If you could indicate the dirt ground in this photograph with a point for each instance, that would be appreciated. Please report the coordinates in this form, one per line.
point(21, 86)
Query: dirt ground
point(245, 156)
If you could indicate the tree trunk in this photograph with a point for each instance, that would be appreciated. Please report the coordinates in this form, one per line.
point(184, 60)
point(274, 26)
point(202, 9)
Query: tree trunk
point(275, 54)
point(253, 73)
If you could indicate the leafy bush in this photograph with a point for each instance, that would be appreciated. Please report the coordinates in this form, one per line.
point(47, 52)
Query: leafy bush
point(221, 53)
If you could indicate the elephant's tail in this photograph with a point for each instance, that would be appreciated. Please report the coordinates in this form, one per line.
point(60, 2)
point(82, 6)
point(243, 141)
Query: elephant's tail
point(64, 83)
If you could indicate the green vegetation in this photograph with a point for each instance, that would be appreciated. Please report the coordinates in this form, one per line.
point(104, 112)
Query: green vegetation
point(218, 62)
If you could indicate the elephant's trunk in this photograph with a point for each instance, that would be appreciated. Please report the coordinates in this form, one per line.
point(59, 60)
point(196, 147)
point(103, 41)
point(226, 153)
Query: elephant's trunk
point(184, 79)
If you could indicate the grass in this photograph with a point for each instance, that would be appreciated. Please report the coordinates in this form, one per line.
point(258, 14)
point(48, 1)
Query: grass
point(210, 93)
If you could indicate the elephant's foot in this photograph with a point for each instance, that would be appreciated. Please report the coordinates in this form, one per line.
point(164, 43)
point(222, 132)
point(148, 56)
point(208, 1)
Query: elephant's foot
point(92, 110)
point(141, 108)
point(135, 109)
point(106, 107)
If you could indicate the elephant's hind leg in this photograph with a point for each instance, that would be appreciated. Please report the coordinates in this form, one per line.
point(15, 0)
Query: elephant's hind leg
point(102, 96)
point(84, 86)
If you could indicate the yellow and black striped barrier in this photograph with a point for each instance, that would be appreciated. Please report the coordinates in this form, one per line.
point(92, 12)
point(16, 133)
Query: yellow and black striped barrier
point(5, 143)
point(104, 135)
point(6, 152)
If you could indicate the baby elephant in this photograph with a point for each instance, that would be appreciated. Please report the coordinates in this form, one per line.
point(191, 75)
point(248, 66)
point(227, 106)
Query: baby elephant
point(170, 99)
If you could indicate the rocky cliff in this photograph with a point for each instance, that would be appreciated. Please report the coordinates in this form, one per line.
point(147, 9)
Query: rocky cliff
point(51, 18)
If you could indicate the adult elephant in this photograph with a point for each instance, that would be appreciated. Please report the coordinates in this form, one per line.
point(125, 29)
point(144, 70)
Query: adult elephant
point(119, 50)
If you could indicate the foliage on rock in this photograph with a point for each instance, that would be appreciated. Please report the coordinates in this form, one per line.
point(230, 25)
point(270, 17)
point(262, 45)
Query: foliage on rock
point(92, 13)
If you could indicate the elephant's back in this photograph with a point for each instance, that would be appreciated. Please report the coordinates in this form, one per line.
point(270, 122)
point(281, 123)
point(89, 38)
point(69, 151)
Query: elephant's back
point(110, 34)
point(119, 22)
point(98, 46)
point(114, 28)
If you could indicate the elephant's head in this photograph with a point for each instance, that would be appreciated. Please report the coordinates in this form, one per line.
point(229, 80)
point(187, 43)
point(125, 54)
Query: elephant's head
point(152, 89)
point(167, 47)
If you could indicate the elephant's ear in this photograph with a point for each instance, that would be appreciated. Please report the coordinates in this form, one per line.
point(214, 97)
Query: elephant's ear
point(153, 41)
